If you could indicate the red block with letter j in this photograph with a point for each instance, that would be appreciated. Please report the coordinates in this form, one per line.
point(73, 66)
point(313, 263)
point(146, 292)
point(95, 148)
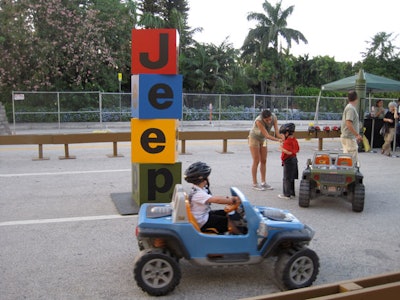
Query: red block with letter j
point(155, 51)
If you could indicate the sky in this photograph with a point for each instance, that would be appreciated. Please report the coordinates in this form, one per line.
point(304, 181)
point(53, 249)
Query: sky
point(338, 29)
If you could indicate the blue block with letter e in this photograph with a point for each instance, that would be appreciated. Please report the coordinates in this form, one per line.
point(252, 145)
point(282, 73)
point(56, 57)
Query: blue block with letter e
point(156, 96)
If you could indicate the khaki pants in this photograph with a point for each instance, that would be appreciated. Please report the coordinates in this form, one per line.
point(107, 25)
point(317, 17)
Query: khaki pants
point(389, 136)
point(350, 146)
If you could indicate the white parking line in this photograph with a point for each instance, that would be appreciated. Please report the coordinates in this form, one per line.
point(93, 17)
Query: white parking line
point(63, 220)
point(64, 173)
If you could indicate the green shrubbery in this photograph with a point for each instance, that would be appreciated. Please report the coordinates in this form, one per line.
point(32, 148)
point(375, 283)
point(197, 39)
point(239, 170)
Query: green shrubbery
point(90, 114)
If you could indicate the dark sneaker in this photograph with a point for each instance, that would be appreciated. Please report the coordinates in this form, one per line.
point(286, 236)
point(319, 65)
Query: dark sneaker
point(266, 186)
point(258, 187)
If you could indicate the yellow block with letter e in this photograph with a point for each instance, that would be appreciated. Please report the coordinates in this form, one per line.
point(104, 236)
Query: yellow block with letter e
point(154, 140)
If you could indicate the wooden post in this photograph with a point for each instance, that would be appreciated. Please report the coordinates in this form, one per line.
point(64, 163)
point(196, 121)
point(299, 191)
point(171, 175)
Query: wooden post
point(225, 146)
point(40, 157)
point(66, 152)
point(320, 144)
point(40, 151)
point(183, 146)
point(115, 151)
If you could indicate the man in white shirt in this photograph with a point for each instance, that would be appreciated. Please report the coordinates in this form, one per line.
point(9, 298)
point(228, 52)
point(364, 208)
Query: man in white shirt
point(350, 136)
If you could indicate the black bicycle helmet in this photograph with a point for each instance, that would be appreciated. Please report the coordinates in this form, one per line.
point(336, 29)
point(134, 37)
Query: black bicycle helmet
point(197, 172)
point(289, 127)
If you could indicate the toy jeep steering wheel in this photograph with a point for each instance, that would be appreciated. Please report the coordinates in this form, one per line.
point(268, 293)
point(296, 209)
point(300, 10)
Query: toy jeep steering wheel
point(231, 207)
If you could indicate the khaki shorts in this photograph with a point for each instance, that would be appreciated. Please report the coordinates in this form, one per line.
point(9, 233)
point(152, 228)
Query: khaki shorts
point(350, 146)
point(256, 143)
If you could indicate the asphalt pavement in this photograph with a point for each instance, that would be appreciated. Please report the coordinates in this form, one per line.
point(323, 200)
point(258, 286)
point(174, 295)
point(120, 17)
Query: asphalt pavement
point(61, 236)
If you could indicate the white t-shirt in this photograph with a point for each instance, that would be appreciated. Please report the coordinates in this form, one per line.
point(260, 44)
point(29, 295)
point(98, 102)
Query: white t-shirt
point(199, 206)
point(349, 114)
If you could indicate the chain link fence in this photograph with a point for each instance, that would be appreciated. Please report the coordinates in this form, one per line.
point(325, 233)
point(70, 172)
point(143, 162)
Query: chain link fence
point(103, 108)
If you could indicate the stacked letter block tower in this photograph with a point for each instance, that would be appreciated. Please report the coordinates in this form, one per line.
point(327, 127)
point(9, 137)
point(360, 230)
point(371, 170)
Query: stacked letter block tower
point(156, 108)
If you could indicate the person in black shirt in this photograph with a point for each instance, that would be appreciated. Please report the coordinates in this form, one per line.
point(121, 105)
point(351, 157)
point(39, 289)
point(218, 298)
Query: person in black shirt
point(398, 127)
point(390, 119)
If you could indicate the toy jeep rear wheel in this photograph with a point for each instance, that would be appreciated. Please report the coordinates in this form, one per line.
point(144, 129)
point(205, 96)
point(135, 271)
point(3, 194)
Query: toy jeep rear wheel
point(358, 198)
point(156, 272)
point(305, 193)
point(297, 268)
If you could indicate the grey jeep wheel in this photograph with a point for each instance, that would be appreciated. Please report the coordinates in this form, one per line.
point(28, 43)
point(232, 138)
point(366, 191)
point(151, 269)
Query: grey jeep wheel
point(305, 193)
point(156, 272)
point(297, 268)
point(358, 198)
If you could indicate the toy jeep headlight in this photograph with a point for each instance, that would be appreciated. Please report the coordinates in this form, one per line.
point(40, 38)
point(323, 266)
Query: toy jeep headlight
point(278, 215)
point(158, 210)
point(262, 233)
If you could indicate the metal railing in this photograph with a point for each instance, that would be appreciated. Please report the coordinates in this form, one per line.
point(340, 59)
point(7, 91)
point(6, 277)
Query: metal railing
point(104, 108)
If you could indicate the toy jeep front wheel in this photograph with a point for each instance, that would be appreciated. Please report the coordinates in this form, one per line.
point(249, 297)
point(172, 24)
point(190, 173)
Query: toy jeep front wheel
point(305, 193)
point(358, 198)
point(297, 268)
point(156, 272)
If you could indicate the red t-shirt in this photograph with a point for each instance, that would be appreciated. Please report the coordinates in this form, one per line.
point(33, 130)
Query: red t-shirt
point(290, 144)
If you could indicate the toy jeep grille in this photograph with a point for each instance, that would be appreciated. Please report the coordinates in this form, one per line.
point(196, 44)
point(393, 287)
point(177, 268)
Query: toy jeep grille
point(333, 178)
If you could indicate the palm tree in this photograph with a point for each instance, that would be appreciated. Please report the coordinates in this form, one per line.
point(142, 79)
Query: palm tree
point(209, 68)
point(273, 25)
point(381, 46)
point(382, 56)
point(262, 42)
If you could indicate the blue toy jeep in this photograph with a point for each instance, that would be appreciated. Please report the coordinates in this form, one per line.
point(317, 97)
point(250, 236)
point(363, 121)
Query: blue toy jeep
point(167, 232)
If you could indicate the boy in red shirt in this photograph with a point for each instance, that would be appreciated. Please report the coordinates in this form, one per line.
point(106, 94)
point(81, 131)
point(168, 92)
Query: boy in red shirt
point(289, 148)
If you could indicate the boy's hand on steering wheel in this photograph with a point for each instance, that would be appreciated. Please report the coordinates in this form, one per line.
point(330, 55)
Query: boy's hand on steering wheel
point(235, 204)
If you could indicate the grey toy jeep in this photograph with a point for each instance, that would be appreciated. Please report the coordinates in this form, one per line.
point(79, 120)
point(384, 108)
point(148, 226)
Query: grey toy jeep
point(332, 174)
